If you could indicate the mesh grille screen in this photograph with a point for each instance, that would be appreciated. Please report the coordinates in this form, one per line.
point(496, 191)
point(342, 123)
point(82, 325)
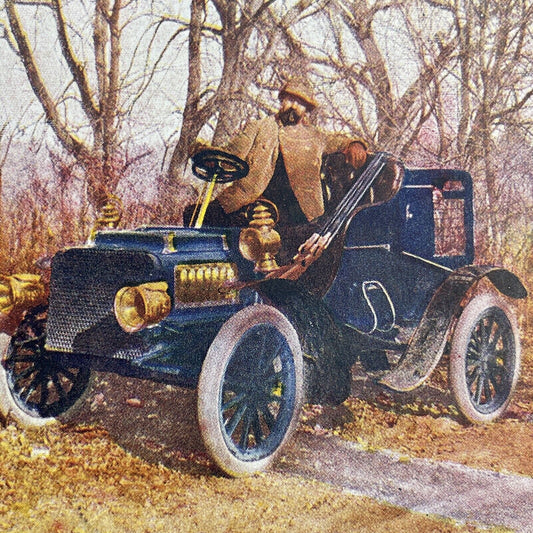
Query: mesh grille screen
point(83, 287)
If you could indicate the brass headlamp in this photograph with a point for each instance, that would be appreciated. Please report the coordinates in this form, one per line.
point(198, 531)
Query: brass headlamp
point(141, 306)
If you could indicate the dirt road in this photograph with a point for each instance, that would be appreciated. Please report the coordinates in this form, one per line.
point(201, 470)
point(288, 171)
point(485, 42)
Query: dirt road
point(440, 488)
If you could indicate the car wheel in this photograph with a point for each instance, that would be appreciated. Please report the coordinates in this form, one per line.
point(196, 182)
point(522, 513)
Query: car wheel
point(484, 358)
point(35, 388)
point(250, 390)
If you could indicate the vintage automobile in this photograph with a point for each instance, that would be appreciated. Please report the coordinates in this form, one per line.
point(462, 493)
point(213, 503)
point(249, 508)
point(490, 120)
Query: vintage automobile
point(208, 307)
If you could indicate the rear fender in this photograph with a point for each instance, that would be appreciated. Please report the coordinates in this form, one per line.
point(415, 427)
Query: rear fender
point(429, 339)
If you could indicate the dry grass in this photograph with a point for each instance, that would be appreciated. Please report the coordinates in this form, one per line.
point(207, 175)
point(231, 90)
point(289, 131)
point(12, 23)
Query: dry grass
point(425, 423)
point(78, 479)
point(140, 465)
point(136, 466)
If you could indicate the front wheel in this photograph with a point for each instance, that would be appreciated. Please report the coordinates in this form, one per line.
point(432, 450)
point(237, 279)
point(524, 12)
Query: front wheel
point(484, 358)
point(36, 389)
point(250, 390)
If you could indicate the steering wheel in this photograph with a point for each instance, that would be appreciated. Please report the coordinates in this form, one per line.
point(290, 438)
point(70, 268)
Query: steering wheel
point(218, 166)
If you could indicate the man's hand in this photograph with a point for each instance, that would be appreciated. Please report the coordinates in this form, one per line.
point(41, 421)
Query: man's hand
point(307, 254)
point(355, 154)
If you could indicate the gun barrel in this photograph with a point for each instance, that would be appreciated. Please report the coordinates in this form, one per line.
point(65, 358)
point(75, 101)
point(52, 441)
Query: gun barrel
point(354, 195)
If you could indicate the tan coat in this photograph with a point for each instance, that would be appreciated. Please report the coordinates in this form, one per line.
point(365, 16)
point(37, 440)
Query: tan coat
point(302, 147)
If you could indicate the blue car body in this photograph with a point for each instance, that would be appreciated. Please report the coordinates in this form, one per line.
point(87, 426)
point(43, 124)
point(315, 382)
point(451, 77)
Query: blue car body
point(84, 281)
point(395, 257)
point(391, 263)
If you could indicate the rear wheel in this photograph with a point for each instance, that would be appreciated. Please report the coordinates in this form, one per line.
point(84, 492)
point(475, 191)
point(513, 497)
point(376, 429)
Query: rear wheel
point(484, 358)
point(250, 390)
point(35, 387)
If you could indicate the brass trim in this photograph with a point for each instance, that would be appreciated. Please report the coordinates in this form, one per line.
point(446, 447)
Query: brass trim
point(169, 247)
point(109, 216)
point(141, 306)
point(19, 293)
point(260, 242)
point(200, 284)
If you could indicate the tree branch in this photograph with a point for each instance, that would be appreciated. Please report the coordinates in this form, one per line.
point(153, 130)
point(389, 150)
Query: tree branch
point(100, 40)
point(112, 96)
point(68, 140)
point(46, 3)
point(254, 17)
point(515, 108)
point(148, 76)
point(75, 66)
point(8, 36)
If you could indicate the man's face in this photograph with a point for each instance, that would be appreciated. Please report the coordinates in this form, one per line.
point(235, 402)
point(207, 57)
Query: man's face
point(291, 111)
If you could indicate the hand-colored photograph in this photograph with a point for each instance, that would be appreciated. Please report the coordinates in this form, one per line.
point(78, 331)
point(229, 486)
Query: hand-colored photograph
point(266, 265)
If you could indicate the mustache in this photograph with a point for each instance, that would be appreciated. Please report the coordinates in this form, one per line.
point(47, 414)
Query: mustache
point(289, 117)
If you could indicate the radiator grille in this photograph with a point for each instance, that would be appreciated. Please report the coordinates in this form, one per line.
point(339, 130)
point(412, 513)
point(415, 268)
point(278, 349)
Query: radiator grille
point(82, 291)
point(201, 284)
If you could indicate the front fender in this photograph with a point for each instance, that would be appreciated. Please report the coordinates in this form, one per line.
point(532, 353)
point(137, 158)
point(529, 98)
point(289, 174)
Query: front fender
point(429, 340)
point(507, 283)
point(327, 359)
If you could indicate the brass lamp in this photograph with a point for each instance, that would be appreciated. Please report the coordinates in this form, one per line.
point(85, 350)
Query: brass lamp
point(19, 293)
point(260, 242)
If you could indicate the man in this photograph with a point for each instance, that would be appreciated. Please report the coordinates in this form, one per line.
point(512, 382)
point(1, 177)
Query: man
point(284, 153)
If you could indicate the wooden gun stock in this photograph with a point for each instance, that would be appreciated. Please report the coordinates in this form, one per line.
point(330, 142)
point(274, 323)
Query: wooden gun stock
point(317, 279)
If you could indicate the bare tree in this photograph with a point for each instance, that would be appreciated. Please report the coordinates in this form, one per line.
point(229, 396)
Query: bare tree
point(492, 72)
point(91, 90)
point(5, 143)
point(359, 67)
point(465, 73)
point(249, 35)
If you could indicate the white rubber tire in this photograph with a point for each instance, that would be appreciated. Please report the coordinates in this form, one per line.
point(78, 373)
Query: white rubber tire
point(473, 313)
point(8, 407)
point(11, 410)
point(212, 380)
